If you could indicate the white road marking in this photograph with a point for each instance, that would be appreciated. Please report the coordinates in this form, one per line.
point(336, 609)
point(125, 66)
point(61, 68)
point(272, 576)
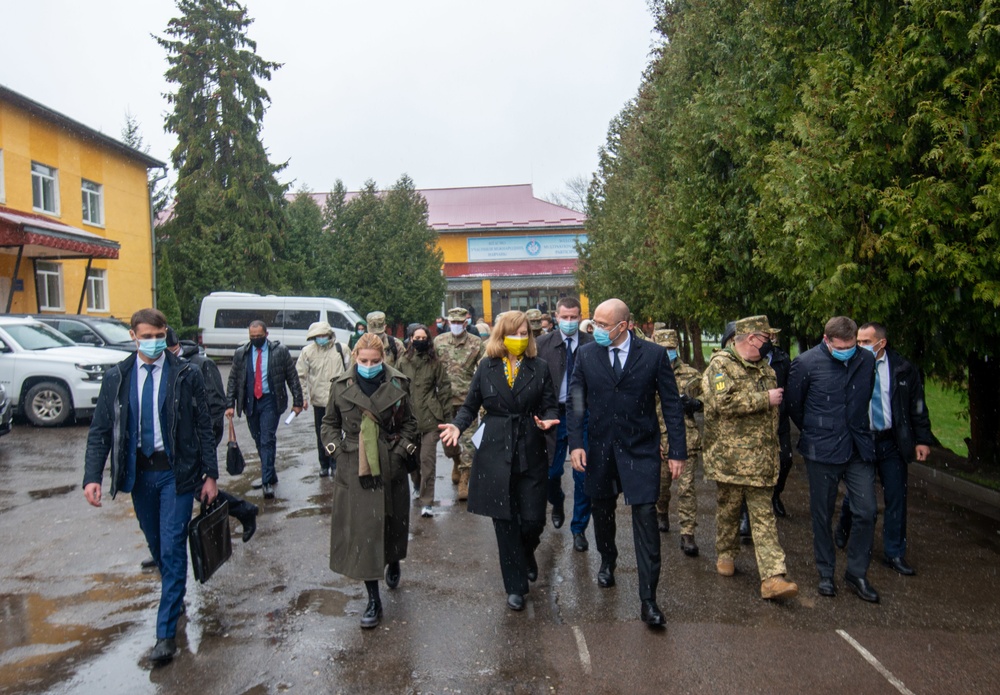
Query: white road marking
point(870, 658)
point(581, 645)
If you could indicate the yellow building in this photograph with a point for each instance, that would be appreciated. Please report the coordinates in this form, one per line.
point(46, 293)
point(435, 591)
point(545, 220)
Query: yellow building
point(75, 228)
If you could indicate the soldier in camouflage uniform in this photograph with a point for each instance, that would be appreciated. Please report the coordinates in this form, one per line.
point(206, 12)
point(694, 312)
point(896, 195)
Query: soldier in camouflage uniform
point(460, 351)
point(392, 346)
point(689, 385)
point(741, 397)
point(534, 317)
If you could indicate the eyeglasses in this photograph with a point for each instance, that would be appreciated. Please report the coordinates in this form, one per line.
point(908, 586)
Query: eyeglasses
point(604, 326)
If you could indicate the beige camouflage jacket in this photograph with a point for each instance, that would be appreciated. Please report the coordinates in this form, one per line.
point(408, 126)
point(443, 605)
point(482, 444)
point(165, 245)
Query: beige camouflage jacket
point(461, 356)
point(741, 429)
point(688, 382)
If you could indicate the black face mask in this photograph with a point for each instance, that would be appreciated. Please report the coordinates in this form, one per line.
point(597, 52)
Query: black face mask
point(421, 345)
point(258, 342)
point(765, 349)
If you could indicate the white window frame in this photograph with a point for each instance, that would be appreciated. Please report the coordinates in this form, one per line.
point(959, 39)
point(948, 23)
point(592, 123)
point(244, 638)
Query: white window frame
point(3, 191)
point(96, 196)
point(97, 286)
point(52, 176)
point(42, 275)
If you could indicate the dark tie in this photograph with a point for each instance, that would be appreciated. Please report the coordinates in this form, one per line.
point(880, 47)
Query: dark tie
point(570, 355)
point(258, 378)
point(878, 416)
point(617, 365)
point(146, 415)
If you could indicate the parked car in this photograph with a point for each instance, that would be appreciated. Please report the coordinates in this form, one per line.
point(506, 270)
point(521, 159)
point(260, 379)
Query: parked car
point(226, 316)
point(48, 377)
point(98, 331)
point(6, 412)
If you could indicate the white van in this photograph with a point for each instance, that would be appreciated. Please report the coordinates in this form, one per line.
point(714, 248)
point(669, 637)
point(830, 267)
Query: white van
point(226, 316)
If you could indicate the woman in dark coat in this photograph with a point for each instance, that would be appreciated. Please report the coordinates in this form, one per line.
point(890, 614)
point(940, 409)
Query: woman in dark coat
point(430, 393)
point(360, 328)
point(510, 468)
point(370, 430)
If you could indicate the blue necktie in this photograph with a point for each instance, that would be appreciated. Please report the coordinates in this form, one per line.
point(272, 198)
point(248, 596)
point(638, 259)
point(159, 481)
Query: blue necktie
point(617, 365)
point(146, 414)
point(878, 416)
point(570, 356)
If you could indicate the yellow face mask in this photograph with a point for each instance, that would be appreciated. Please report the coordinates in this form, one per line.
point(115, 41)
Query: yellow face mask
point(515, 344)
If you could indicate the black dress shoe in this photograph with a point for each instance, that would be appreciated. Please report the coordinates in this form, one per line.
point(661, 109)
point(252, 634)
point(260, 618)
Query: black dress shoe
point(324, 472)
point(558, 515)
point(515, 602)
point(163, 652)
point(899, 564)
point(651, 614)
point(606, 575)
point(779, 507)
point(688, 546)
point(840, 536)
point(580, 543)
point(249, 521)
point(392, 574)
point(860, 586)
point(268, 491)
point(827, 587)
point(532, 567)
point(148, 564)
point(745, 534)
point(663, 523)
point(372, 615)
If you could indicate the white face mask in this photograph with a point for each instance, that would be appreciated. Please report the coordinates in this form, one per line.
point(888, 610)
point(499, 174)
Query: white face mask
point(457, 328)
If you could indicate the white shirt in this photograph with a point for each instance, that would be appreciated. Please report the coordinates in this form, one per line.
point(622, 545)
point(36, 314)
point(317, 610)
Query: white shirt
point(567, 341)
point(882, 367)
point(142, 375)
point(622, 351)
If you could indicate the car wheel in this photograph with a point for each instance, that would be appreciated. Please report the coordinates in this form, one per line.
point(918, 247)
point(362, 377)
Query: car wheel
point(47, 404)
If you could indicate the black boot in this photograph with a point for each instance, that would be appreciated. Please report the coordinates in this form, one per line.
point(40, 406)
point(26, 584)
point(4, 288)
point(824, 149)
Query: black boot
point(745, 535)
point(373, 612)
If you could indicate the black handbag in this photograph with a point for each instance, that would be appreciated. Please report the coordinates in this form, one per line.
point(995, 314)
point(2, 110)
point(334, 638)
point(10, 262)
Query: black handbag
point(208, 536)
point(234, 457)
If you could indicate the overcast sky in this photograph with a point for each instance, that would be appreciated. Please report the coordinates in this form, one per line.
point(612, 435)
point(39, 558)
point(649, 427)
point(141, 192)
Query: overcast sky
point(453, 93)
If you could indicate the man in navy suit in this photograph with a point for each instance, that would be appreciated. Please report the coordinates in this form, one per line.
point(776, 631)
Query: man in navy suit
point(616, 380)
point(153, 418)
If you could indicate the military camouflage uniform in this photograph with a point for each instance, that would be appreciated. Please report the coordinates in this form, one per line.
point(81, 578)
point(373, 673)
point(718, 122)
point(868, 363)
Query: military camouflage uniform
point(534, 317)
point(376, 325)
point(460, 356)
point(741, 453)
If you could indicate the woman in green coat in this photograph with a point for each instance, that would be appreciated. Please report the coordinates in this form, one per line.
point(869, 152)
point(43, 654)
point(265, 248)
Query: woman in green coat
point(370, 430)
point(430, 393)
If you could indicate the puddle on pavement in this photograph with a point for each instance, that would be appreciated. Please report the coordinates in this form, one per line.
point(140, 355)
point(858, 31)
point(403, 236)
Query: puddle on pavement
point(322, 601)
point(52, 492)
point(308, 511)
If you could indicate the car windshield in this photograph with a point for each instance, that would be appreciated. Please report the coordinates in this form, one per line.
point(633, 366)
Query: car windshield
point(113, 331)
point(37, 336)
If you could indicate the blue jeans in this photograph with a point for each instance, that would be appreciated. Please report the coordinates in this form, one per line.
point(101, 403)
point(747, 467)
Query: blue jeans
point(262, 418)
point(163, 517)
point(581, 502)
point(893, 473)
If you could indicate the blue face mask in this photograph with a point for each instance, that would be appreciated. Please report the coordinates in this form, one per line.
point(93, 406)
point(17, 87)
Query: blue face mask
point(153, 347)
point(602, 337)
point(672, 354)
point(369, 372)
point(569, 327)
point(322, 341)
point(869, 348)
point(842, 355)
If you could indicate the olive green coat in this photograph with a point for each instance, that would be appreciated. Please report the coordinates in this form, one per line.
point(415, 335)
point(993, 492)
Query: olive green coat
point(741, 428)
point(369, 528)
point(430, 390)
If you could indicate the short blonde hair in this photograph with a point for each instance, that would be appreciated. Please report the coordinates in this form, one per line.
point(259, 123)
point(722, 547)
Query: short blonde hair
point(368, 341)
point(508, 324)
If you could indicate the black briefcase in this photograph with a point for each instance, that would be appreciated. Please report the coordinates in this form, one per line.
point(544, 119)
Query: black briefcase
point(208, 535)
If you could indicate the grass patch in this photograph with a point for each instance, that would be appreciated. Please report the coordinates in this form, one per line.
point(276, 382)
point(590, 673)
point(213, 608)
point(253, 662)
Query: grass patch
point(949, 414)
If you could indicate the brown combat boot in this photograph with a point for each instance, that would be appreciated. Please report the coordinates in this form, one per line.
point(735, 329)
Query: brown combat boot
point(777, 587)
point(725, 566)
point(463, 485)
point(455, 475)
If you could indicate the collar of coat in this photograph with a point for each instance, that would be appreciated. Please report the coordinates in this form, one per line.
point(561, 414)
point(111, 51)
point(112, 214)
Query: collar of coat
point(496, 375)
point(390, 392)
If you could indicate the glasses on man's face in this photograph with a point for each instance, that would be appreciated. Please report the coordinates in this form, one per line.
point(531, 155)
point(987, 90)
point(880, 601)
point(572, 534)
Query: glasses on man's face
point(604, 326)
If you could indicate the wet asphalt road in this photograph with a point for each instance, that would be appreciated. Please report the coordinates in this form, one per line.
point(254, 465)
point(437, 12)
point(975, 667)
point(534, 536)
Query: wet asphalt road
point(77, 615)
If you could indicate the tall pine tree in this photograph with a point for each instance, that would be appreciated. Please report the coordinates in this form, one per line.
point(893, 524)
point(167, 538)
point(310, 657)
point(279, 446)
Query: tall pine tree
point(228, 220)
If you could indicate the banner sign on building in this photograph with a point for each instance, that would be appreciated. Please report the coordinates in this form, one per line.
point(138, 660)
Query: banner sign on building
point(524, 248)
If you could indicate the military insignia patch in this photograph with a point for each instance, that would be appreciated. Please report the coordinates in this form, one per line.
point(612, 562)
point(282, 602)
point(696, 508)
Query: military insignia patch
point(720, 382)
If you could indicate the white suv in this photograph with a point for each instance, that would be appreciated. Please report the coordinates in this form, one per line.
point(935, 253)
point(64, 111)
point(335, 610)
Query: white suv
point(47, 376)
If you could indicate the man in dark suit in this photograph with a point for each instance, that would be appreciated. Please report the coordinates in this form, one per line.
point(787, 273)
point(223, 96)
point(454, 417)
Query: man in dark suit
point(615, 383)
point(261, 368)
point(152, 418)
point(902, 430)
point(828, 396)
point(558, 349)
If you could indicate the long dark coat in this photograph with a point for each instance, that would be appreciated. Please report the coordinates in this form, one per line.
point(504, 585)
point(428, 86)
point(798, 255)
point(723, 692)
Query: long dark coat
point(510, 436)
point(369, 527)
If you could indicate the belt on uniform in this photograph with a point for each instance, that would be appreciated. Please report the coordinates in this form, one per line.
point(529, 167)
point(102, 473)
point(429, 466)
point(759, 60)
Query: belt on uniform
point(884, 435)
point(157, 462)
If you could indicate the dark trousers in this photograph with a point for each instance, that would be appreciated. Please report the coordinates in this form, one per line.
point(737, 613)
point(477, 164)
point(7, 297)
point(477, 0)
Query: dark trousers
point(784, 462)
point(238, 508)
point(824, 480)
point(517, 539)
point(645, 535)
point(581, 501)
point(326, 461)
point(163, 517)
point(893, 473)
point(262, 418)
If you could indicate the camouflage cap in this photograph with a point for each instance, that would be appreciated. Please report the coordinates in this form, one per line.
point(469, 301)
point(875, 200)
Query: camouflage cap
point(658, 325)
point(534, 317)
point(667, 337)
point(376, 322)
point(458, 314)
point(754, 324)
